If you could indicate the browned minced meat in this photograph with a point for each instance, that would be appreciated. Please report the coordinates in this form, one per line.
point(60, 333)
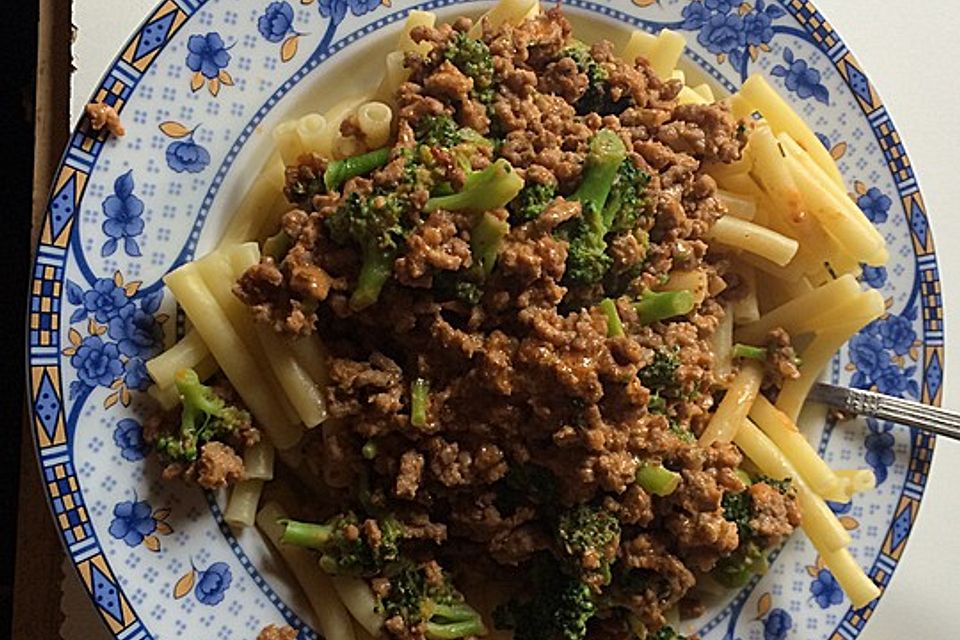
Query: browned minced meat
point(274, 632)
point(104, 116)
point(781, 363)
point(524, 375)
point(775, 514)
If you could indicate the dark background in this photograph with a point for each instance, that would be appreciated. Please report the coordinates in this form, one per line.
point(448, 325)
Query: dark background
point(18, 55)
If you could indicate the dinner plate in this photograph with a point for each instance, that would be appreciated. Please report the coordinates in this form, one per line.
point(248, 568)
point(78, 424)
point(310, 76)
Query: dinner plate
point(199, 86)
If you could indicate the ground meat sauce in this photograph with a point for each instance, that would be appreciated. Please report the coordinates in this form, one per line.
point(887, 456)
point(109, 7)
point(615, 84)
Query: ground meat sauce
point(524, 375)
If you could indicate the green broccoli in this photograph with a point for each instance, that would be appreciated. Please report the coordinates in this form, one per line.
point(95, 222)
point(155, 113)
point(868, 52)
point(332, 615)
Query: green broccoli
point(438, 131)
point(660, 376)
point(473, 58)
point(749, 352)
point(375, 224)
point(587, 258)
point(344, 547)
point(205, 417)
point(416, 597)
point(484, 190)
point(657, 479)
point(486, 238)
point(339, 171)
point(448, 285)
point(589, 538)
point(614, 325)
point(560, 610)
point(531, 202)
point(663, 305)
point(419, 399)
point(626, 203)
point(596, 97)
point(665, 633)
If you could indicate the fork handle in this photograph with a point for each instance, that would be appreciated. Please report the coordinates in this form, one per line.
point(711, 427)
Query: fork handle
point(884, 407)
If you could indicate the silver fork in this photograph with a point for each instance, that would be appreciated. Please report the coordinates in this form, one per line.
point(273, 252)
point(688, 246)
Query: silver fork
point(877, 405)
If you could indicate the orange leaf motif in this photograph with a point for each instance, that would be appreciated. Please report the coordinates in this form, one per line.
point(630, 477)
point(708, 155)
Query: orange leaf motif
point(763, 605)
point(838, 150)
point(184, 585)
point(162, 513)
point(645, 3)
point(152, 543)
point(118, 278)
point(174, 129)
point(214, 87)
point(132, 287)
point(225, 78)
point(69, 351)
point(859, 187)
point(164, 529)
point(125, 396)
point(306, 2)
point(849, 523)
point(289, 48)
point(812, 571)
point(74, 337)
point(111, 400)
point(196, 82)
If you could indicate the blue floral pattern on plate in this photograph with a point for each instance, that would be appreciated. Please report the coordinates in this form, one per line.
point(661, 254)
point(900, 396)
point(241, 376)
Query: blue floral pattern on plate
point(98, 309)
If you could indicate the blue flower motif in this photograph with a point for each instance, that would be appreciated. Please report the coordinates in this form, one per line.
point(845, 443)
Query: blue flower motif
point(776, 625)
point(718, 6)
point(758, 26)
point(898, 334)
point(276, 22)
point(801, 78)
point(694, 15)
point(132, 521)
point(136, 332)
point(875, 205)
point(879, 444)
point(135, 375)
point(840, 508)
point(892, 380)
point(825, 589)
point(207, 54)
point(868, 356)
point(213, 583)
point(876, 277)
point(187, 155)
point(129, 437)
point(105, 300)
point(722, 33)
point(97, 362)
point(337, 9)
point(123, 211)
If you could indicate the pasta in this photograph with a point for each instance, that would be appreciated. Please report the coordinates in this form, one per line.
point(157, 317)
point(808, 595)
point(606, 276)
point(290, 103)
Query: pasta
point(418, 283)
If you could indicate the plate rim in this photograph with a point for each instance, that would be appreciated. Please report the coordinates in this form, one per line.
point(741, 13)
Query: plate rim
point(48, 267)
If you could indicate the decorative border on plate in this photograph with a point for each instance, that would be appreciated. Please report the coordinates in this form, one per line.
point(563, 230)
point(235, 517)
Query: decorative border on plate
point(49, 424)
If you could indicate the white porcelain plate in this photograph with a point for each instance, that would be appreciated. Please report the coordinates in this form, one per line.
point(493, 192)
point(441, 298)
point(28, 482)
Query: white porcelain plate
point(197, 86)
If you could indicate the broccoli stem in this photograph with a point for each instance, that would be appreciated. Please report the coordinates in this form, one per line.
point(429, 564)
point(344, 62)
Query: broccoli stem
point(657, 479)
point(305, 534)
point(606, 153)
point(749, 351)
point(486, 237)
point(654, 307)
point(277, 246)
point(484, 190)
point(369, 450)
point(419, 396)
point(374, 273)
point(339, 171)
point(614, 326)
point(455, 630)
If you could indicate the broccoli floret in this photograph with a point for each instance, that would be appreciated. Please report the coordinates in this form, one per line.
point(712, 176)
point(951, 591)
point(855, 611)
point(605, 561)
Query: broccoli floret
point(344, 547)
point(205, 417)
point(531, 202)
point(374, 223)
point(596, 98)
point(416, 596)
point(626, 204)
point(587, 258)
point(473, 58)
point(665, 633)
point(448, 285)
point(484, 190)
point(660, 376)
point(560, 610)
point(438, 131)
point(589, 537)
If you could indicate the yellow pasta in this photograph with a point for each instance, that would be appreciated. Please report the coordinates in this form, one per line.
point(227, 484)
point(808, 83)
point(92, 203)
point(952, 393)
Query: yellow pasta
point(261, 202)
point(722, 344)
point(739, 206)
point(258, 460)
point(287, 141)
point(666, 52)
point(689, 96)
point(784, 433)
point(640, 44)
point(187, 353)
point(230, 352)
point(705, 92)
point(169, 397)
point(853, 580)
point(395, 74)
point(358, 598)
point(694, 281)
point(333, 618)
point(746, 308)
point(509, 11)
point(857, 480)
point(374, 119)
point(241, 508)
point(313, 133)
point(734, 406)
point(312, 356)
point(763, 98)
point(819, 522)
point(741, 234)
point(416, 19)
